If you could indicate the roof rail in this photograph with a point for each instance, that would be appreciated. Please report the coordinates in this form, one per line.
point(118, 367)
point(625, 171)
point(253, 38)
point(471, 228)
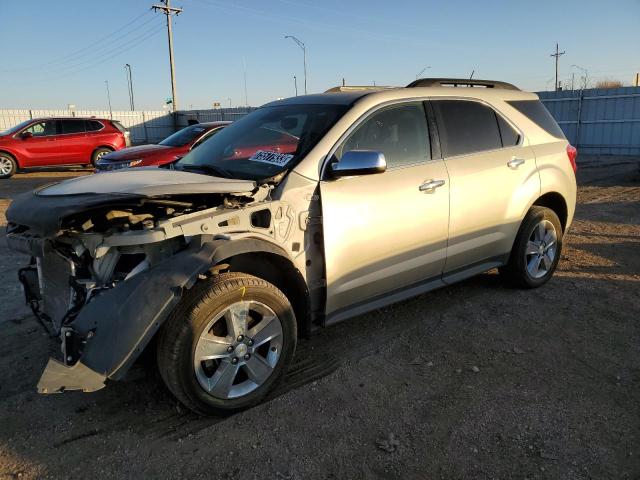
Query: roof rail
point(455, 82)
point(356, 88)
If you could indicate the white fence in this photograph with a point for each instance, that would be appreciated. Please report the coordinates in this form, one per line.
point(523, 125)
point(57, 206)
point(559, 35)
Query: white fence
point(144, 126)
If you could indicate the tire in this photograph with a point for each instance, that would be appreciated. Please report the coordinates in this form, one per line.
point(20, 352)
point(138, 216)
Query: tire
point(8, 165)
point(202, 326)
point(99, 153)
point(535, 253)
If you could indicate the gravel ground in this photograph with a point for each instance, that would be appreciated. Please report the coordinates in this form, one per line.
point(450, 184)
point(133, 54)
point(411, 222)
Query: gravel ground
point(472, 381)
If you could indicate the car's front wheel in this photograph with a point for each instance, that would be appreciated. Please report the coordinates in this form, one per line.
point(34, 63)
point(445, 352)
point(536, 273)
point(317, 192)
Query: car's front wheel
point(227, 344)
point(536, 250)
point(8, 165)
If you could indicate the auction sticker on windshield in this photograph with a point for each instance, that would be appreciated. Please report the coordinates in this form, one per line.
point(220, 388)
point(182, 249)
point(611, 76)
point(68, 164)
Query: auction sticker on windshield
point(274, 158)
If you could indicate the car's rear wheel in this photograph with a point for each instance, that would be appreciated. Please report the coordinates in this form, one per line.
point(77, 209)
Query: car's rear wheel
point(227, 344)
point(98, 153)
point(8, 165)
point(536, 251)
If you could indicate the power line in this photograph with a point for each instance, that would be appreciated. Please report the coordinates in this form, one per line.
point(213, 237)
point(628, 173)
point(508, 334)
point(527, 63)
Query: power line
point(89, 49)
point(111, 49)
point(169, 11)
point(99, 61)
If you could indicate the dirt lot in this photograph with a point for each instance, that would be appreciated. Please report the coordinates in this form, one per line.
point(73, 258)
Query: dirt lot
point(472, 381)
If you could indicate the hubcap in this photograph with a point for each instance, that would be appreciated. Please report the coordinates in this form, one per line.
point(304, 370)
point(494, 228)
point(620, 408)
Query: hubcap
point(5, 166)
point(238, 350)
point(541, 249)
point(101, 154)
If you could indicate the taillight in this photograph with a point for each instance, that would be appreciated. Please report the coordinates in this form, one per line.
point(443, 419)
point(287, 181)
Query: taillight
point(572, 153)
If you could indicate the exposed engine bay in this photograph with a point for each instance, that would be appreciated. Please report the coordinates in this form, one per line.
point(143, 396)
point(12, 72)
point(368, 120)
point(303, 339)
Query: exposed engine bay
point(107, 268)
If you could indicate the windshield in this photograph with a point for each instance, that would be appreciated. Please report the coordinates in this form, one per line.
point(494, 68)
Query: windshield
point(13, 130)
point(265, 142)
point(184, 136)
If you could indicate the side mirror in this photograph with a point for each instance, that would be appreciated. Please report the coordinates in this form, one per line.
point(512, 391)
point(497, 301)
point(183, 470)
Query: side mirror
point(359, 162)
point(25, 135)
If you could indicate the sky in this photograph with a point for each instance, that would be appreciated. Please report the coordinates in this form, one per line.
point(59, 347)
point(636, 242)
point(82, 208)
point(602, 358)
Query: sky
point(62, 52)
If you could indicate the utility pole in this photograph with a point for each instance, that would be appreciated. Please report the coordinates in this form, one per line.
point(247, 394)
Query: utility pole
point(127, 67)
point(304, 58)
point(168, 10)
point(295, 84)
point(109, 99)
point(558, 54)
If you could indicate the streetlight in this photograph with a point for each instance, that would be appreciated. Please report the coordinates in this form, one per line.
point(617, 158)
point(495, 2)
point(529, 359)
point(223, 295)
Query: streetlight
point(304, 58)
point(130, 82)
point(422, 71)
point(109, 99)
point(295, 84)
point(586, 75)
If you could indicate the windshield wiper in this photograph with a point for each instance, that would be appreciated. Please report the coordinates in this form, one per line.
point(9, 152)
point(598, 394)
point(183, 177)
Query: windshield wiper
point(209, 169)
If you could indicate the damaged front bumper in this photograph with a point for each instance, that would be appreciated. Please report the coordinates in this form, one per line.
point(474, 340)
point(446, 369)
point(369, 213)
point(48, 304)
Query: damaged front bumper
point(111, 331)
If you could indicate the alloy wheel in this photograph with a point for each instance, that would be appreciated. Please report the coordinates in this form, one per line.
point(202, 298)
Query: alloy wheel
point(238, 350)
point(6, 166)
point(541, 249)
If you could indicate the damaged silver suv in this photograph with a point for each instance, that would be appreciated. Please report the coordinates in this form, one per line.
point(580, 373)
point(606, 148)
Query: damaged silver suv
point(305, 212)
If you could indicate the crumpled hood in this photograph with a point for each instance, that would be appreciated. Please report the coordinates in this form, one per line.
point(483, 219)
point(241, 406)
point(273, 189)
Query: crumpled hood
point(134, 153)
point(149, 181)
point(43, 210)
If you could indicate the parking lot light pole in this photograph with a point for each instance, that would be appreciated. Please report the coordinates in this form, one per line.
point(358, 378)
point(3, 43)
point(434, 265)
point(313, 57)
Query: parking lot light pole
point(109, 99)
point(127, 67)
point(304, 58)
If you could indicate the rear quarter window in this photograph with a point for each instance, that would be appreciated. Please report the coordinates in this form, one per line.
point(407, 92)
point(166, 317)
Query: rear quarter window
point(535, 111)
point(119, 126)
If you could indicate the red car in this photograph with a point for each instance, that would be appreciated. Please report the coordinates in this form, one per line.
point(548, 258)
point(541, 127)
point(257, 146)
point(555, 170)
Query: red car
point(167, 151)
point(59, 141)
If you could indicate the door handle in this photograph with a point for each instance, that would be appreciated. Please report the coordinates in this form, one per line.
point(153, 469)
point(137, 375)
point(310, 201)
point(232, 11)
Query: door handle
point(430, 185)
point(515, 163)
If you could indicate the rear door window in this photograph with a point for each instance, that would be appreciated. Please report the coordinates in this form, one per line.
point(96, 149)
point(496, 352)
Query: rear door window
point(535, 111)
point(72, 126)
point(93, 125)
point(466, 127)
